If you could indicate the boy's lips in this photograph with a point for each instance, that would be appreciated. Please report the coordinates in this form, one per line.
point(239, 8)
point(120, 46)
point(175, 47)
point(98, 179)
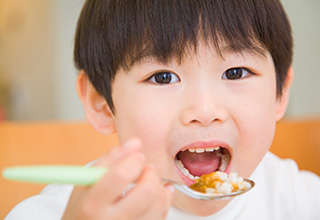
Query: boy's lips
point(201, 158)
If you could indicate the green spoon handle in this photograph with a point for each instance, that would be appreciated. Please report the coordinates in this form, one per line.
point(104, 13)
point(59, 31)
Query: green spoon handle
point(76, 175)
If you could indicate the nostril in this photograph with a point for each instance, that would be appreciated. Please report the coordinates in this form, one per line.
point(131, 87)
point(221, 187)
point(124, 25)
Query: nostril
point(204, 121)
point(204, 115)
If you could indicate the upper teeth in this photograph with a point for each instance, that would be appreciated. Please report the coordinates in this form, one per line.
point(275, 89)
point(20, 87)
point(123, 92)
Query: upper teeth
point(202, 150)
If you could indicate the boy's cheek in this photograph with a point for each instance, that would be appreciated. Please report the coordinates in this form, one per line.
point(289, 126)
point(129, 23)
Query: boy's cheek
point(256, 143)
point(150, 128)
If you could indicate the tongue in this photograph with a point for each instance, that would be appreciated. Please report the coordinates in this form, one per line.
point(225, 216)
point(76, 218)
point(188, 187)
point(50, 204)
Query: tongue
point(199, 163)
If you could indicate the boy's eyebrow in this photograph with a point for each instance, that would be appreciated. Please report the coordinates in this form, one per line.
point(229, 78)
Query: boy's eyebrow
point(253, 50)
point(148, 59)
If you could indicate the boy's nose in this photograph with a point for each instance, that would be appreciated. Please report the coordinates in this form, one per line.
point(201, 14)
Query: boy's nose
point(204, 107)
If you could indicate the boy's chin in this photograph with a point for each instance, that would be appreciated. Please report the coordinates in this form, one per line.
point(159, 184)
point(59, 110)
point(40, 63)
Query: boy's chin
point(197, 207)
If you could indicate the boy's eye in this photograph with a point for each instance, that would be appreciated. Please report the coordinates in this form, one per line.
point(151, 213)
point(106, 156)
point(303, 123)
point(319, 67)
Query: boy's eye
point(164, 78)
point(235, 73)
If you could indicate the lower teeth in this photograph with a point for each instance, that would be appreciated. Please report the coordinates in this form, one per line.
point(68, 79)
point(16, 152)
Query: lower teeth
point(184, 170)
point(224, 162)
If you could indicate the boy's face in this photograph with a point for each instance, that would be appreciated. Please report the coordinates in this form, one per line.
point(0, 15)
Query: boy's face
point(206, 101)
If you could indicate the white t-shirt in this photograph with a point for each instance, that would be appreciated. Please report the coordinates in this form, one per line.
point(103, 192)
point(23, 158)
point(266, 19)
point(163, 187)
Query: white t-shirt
point(281, 192)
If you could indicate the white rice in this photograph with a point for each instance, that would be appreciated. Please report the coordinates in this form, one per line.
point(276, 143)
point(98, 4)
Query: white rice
point(231, 183)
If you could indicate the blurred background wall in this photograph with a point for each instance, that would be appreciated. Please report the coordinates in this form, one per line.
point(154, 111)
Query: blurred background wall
point(36, 45)
point(37, 76)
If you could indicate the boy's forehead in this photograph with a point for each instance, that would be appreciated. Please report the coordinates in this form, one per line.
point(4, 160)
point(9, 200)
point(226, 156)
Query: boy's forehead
point(222, 52)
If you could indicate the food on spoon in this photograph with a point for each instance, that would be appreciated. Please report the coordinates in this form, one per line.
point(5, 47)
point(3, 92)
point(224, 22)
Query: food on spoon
point(220, 183)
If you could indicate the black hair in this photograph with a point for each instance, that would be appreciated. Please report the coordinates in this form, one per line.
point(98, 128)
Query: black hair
point(114, 34)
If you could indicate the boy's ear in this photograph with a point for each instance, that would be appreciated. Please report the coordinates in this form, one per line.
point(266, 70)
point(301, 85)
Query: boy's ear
point(95, 106)
point(282, 101)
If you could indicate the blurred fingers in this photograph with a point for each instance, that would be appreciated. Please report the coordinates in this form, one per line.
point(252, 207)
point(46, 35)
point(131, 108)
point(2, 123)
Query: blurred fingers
point(119, 176)
point(153, 197)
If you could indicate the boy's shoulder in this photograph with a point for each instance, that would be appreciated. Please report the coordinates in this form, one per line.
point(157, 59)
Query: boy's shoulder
point(286, 190)
point(284, 173)
point(272, 165)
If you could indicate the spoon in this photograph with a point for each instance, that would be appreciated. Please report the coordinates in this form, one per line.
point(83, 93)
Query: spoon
point(207, 196)
point(86, 176)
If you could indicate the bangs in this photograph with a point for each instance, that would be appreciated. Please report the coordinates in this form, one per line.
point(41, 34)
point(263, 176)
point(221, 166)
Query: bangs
point(169, 30)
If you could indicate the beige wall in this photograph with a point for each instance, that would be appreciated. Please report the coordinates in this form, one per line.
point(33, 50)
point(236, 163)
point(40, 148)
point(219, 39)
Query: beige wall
point(36, 43)
point(305, 94)
point(26, 53)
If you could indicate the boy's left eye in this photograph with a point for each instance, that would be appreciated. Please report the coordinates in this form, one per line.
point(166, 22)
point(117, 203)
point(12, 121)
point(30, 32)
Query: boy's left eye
point(236, 73)
point(164, 77)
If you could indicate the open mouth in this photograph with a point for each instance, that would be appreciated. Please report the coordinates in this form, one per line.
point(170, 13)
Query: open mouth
point(194, 162)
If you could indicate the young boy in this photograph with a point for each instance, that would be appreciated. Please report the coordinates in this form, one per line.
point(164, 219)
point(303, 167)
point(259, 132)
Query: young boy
point(176, 79)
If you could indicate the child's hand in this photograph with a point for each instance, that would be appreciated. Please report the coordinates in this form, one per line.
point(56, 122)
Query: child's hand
point(149, 199)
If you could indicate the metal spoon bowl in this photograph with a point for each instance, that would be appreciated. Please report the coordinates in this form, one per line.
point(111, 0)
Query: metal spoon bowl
point(207, 196)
